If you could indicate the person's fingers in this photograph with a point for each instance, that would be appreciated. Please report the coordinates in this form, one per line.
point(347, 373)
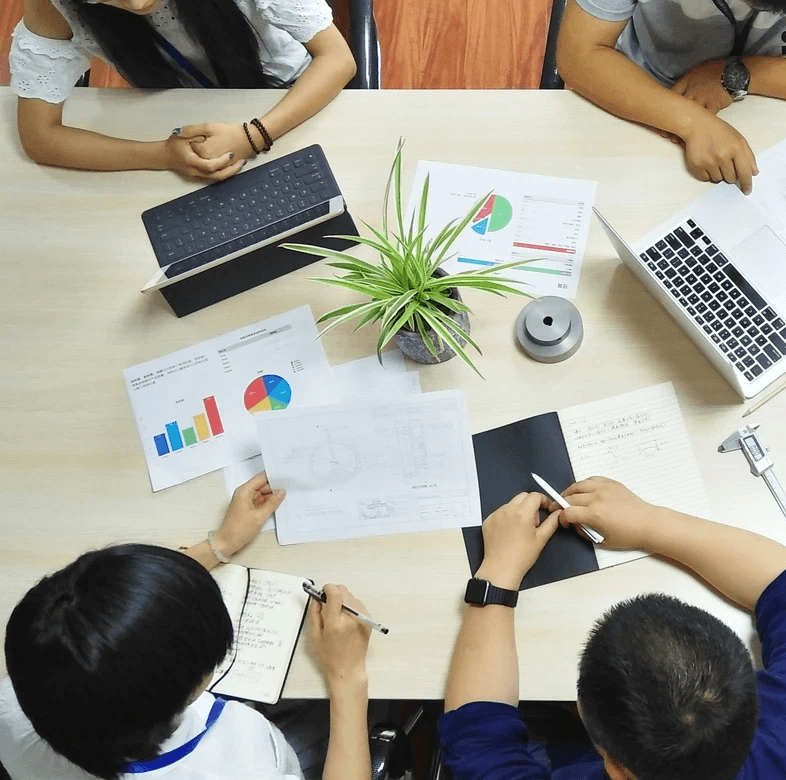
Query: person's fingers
point(548, 527)
point(191, 132)
point(745, 173)
point(228, 171)
point(257, 482)
point(334, 595)
point(267, 503)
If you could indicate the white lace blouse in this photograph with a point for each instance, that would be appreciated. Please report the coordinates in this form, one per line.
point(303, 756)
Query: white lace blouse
point(48, 69)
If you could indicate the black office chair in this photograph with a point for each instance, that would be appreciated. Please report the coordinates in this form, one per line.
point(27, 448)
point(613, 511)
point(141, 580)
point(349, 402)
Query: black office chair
point(355, 19)
point(549, 75)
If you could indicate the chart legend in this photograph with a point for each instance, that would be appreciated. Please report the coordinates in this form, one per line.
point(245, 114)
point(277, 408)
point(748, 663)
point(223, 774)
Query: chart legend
point(205, 425)
point(267, 393)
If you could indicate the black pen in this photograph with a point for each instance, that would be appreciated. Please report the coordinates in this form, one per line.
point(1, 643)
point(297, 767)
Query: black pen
point(319, 595)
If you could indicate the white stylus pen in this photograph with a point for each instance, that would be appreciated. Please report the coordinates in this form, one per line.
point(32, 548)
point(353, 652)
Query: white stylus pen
point(319, 595)
point(591, 532)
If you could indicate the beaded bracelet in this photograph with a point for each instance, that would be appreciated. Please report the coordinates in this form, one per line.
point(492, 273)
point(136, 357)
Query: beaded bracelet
point(263, 132)
point(211, 540)
point(251, 141)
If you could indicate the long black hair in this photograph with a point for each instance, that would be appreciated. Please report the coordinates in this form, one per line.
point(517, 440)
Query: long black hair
point(106, 652)
point(218, 26)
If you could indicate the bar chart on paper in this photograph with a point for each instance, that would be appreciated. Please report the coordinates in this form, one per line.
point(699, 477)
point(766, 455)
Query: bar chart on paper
point(203, 425)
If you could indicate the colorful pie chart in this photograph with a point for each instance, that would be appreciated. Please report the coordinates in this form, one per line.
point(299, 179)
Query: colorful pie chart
point(494, 215)
point(267, 393)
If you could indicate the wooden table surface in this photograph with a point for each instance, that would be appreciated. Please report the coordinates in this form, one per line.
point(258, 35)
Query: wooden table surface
point(75, 255)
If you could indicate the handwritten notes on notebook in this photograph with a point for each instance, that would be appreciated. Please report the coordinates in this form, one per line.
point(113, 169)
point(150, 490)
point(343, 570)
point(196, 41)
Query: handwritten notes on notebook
point(639, 439)
point(266, 609)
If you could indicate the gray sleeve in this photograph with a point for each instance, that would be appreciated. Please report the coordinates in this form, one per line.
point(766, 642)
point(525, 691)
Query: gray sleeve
point(609, 10)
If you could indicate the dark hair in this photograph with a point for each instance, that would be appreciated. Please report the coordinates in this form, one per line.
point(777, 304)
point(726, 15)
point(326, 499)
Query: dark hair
point(105, 653)
point(668, 690)
point(219, 26)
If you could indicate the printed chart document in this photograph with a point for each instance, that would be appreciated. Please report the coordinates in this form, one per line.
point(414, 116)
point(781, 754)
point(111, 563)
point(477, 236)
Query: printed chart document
point(525, 217)
point(637, 438)
point(267, 610)
point(372, 467)
point(195, 408)
point(364, 378)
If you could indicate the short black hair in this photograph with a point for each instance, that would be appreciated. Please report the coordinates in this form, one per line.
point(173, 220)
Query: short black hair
point(668, 690)
point(105, 653)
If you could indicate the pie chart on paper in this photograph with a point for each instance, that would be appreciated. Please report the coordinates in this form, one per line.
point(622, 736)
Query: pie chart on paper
point(267, 393)
point(494, 215)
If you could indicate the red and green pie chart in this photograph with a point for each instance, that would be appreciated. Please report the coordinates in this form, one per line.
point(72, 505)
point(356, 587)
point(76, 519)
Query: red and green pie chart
point(494, 215)
point(267, 393)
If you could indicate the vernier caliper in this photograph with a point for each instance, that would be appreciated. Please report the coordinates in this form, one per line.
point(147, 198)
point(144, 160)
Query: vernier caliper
point(761, 464)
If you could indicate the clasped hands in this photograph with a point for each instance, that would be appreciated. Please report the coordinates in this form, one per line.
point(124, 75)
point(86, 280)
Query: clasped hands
point(212, 150)
point(514, 536)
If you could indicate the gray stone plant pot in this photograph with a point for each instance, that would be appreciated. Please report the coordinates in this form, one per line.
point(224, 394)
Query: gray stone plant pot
point(412, 345)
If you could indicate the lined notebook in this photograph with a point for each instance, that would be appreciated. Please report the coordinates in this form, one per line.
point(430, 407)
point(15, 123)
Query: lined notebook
point(637, 438)
point(267, 610)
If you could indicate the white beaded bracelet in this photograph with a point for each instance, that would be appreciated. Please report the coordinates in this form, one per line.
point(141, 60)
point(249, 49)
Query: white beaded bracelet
point(211, 540)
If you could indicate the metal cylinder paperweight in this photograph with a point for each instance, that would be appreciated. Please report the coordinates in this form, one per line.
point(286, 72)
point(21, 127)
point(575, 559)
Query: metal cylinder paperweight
point(550, 329)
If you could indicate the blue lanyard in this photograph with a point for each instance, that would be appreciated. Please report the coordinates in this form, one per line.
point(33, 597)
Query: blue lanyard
point(183, 61)
point(171, 756)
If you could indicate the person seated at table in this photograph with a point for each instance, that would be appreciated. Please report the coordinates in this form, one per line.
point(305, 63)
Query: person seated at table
point(158, 44)
point(109, 659)
point(665, 690)
point(661, 63)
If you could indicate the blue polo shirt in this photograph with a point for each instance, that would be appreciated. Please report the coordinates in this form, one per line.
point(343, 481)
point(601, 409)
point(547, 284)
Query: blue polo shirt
point(488, 740)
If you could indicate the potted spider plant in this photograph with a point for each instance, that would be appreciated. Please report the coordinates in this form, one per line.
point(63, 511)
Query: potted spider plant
point(415, 302)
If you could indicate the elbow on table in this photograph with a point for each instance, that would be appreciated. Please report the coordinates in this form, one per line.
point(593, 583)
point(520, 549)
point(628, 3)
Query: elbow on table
point(348, 68)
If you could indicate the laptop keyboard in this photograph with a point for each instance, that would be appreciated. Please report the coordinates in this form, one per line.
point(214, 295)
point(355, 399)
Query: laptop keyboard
point(247, 210)
point(716, 296)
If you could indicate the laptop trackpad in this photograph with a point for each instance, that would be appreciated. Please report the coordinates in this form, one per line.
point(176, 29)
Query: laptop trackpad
point(761, 259)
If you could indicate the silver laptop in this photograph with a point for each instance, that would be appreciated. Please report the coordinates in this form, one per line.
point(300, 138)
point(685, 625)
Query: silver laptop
point(719, 268)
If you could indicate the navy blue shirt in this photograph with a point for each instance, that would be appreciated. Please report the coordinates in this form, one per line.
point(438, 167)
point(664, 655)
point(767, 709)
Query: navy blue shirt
point(488, 740)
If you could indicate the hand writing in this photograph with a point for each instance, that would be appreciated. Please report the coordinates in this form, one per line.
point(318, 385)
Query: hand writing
point(341, 642)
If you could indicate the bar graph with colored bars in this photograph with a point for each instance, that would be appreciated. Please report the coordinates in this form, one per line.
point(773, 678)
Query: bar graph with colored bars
point(206, 424)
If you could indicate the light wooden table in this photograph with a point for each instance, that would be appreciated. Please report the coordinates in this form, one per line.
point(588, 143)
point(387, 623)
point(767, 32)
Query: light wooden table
point(75, 254)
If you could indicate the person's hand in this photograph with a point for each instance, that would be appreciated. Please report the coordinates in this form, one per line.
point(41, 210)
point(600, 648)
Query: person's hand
point(715, 151)
point(340, 641)
point(513, 538)
point(214, 139)
point(252, 504)
point(181, 158)
point(611, 509)
point(702, 85)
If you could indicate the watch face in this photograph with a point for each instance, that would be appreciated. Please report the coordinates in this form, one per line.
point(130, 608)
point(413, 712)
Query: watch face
point(476, 591)
point(736, 76)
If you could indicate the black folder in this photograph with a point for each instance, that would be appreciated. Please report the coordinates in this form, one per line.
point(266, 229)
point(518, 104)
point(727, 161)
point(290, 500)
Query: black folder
point(505, 458)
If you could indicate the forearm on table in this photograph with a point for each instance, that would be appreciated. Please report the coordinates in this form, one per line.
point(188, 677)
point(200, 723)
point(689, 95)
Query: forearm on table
point(740, 564)
point(348, 756)
point(322, 80)
point(610, 80)
point(47, 141)
point(768, 76)
point(485, 664)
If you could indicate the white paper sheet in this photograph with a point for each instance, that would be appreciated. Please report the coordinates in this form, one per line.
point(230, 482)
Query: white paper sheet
point(364, 378)
point(526, 216)
point(372, 467)
point(194, 408)
point(639, 439)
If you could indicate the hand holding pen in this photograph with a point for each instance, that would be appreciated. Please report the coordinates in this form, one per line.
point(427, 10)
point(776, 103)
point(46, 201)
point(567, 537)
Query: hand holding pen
point(320, 596)
point(591, 533)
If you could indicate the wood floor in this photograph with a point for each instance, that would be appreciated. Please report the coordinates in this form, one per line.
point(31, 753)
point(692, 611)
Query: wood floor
point(426, 44)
